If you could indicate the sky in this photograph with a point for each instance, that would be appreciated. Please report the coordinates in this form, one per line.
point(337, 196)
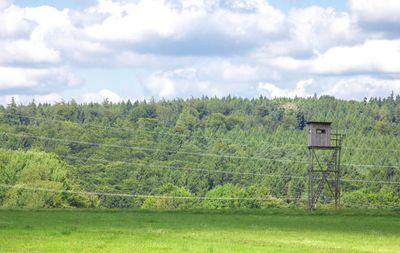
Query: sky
point(88, 50)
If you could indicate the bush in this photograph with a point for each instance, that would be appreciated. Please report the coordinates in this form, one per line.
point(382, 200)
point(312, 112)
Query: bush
point(37, 180)
point(224, 196)
point(171, 197)
point(364, 198)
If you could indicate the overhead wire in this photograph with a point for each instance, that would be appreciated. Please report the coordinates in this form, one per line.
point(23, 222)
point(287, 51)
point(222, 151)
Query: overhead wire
point(238, 157)
point(149, 149)
point(192, 153)
point(188, 168)
point(228, 172)
point(182, 152)
point(132, 195)
point(285, 146)
point(204, 198)
point(350, 180)
point(108, 127)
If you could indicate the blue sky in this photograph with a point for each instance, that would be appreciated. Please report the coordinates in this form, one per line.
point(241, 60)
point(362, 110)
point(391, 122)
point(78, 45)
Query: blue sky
point(59, 4)
point(91, 50)
point(284, 5)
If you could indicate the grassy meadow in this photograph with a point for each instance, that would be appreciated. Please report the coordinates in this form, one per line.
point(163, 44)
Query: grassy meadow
point(273, 230)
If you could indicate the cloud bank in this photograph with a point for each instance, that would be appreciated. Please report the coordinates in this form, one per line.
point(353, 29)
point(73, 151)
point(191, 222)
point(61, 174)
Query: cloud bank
point(203, 47)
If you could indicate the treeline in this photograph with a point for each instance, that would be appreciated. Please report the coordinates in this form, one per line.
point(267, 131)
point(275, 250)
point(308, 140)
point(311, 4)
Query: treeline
point(200, 152)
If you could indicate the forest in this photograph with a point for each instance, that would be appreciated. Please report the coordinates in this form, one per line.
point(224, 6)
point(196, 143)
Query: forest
point(204, 152)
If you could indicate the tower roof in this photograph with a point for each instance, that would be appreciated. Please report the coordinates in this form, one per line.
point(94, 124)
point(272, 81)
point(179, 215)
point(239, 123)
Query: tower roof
point(319, 122)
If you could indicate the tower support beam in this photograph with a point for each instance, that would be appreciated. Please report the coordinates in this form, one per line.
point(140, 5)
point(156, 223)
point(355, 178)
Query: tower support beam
point(324, 170)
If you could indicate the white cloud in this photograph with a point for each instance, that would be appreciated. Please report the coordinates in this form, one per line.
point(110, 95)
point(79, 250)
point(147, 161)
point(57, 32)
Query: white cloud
point(210, 80)
point(214, 77)
point(175, 83)
point(230, 71)
point(197, 47)
point(29, 65)
point(13, 23)
point(376, 14)
point(49, 21)
point(356, 87)
point(4, 4)
point(312, 30)
point(373, 56)
point(359, 87)
point(28, 80)
point(317, 29)
point(300, 90)
point(109, 29)
point(25, 33)
point(190, 27)
point(101, 96)
point(27, 52)
point(51, 98)
point(145, 17)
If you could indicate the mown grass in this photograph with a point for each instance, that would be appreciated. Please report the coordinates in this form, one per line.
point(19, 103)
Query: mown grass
point(272, 230)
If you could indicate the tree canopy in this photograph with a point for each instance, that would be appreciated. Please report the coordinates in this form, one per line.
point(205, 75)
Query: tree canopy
point(251, 150)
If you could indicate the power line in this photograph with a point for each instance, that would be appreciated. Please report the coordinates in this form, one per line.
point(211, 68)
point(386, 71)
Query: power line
point(149, 149)
point(368, 165)
point(143, 130)
point(370, 181)
point(134, 195)
point(86, 124)
point(231, 172)
point(363, 180)
point(183, 135)
point(190, 169)
point(106, 127)
point(184, 152)
point(364, 206)
point(215, 155)
point(144, 196)
point(372, 149)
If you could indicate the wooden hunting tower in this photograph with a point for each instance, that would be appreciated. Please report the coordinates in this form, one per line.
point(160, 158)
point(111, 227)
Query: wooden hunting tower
point(319, 134)
point(324, 163)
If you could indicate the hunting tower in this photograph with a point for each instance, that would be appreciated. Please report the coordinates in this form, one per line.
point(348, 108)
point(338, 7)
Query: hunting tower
point(319, 134)
point(324, 162)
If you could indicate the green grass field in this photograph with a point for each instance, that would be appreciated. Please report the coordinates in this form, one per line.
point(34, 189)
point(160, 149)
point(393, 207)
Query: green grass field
point(198, 231)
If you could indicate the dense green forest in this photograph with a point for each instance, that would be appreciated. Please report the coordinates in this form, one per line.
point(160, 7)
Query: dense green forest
point(195, 153)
